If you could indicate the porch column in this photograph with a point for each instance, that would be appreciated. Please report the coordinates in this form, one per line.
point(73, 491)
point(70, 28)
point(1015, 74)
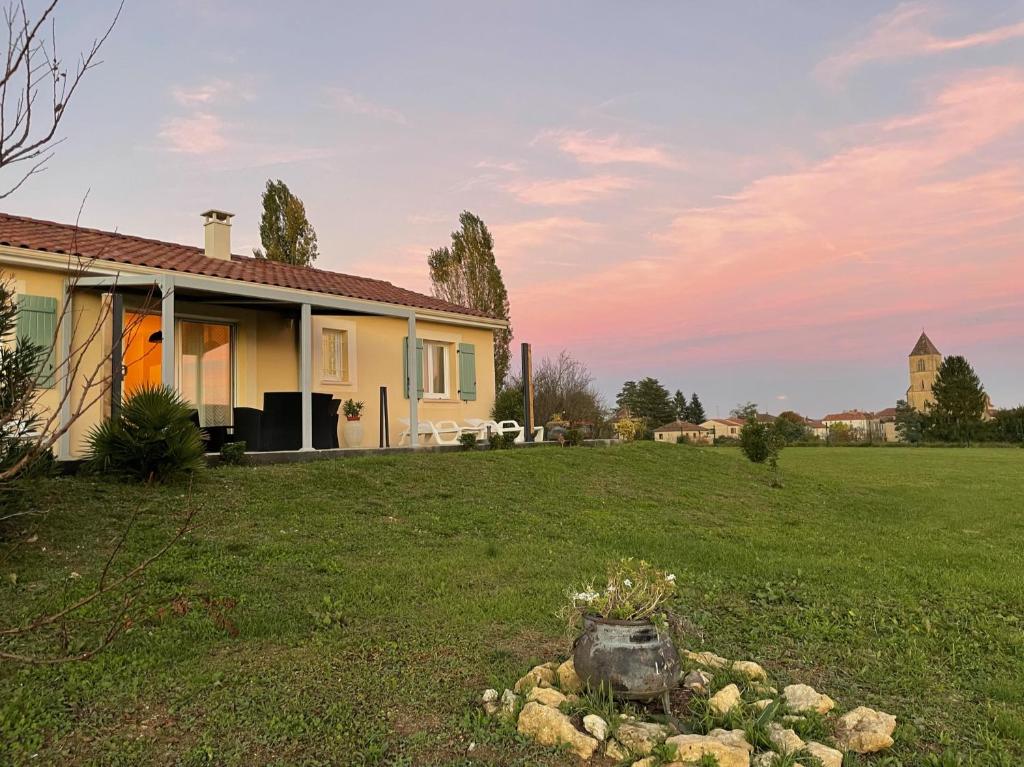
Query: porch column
point(167, 332)
point(116, 352)
point(414, 421)
point(67, 325)
point(306, 375)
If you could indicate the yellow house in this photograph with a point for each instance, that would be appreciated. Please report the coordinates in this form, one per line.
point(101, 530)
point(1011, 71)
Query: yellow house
point(691, 432)
point(225, 330)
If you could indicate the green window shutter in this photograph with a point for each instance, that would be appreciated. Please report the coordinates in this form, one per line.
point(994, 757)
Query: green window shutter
point(37, 323)
point(467, 372)
point(419, 368)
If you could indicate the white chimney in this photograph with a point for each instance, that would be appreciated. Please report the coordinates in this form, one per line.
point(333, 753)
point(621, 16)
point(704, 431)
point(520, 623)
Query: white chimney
point(217, 224)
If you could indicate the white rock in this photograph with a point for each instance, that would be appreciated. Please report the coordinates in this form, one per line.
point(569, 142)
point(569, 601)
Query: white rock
point(865, 730)
point(697, 682)
point(550, 727)
point(750, 670)
point(490, 702)
point(640, 737)
point(785, 741)
point(708, 659)
point(828, 757)
point(802, 697)
point(509, 702)
point(723, 701)
point(568, 680)
point(596, 726)
point(735, 738)
point(549, 696)
point(690, 748)
point(615, 751)
point(765, 759)
point(762, 704)
point(538, 676)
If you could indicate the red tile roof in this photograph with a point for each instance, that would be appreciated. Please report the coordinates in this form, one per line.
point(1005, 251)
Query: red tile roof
point(849, 415)
point(33, 234)
point(681, 426)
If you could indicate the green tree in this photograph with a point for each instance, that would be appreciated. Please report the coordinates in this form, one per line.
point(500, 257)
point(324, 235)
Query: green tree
point(695, 410)
point(791, 427)
point(468, 275)
point(1008, 425)
point(744, 412)
point(285, 232)
point(647, 399)
point(909, 423)
point(680, 406)
point(960, 401)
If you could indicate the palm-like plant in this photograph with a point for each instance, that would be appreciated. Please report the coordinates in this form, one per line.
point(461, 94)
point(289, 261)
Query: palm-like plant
point(153, 439)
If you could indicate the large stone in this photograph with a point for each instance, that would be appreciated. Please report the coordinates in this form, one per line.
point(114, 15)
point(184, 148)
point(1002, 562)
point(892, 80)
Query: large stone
point(708, 659)
point(691, 748)
point(539, 676)
point(645, 762)
point(549, 696)
point(509, 703)
point(490, 702)
point(568, 680)
point(641, 737)
point(828, 757)
point(765, 759)
point(865, 730)
point(802, 697)
point(750, 670)
point(550, 727)
point(785, 741)
point(697, 682)
point(734, 738)
point(723, 701)
point(616, 751)
point(596, 726)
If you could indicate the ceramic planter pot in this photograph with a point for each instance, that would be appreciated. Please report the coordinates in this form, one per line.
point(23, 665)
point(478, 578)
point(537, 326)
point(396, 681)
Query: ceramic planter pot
point(631, 658)
point(353, 433)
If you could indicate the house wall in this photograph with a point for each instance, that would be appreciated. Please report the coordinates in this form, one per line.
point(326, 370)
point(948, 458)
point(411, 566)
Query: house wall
point(266, 357)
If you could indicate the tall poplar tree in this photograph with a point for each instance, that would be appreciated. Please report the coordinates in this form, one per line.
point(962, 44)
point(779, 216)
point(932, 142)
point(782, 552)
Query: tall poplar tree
point(468, 275)
point(285, 232)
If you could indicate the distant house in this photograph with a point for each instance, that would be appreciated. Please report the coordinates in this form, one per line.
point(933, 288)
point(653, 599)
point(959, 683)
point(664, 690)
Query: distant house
point(887, 424)
point(862, 424)
point(817, 428)
point(723, 427)
point(671, 432)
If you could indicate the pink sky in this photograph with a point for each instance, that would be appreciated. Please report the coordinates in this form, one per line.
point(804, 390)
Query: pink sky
point(756, 204)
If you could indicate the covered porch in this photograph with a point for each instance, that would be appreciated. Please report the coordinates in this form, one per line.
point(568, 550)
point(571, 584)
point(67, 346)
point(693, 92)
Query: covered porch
point(226, 345)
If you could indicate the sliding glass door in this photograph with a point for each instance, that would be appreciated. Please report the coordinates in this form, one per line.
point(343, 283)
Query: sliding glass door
point(205, 375)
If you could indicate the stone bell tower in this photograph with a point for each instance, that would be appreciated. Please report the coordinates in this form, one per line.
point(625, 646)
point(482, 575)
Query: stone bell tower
point(924, 365)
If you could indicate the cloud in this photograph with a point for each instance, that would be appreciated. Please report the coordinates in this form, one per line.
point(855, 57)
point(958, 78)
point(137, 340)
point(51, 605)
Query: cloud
point(200, 95)
point(350, 102)
point(607, 150)
point(505, 166)
point(920, 219)
point(905, 32)
point(571, 191)
point(199, 133)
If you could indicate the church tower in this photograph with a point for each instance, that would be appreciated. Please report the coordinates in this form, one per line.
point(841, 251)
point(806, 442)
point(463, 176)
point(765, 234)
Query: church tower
point(924, 365)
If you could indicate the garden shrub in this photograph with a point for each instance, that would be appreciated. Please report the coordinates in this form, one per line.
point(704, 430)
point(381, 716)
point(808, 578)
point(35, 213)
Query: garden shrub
point(153, 439)
point(233, 453)
point(468, 441)
point(573, 438)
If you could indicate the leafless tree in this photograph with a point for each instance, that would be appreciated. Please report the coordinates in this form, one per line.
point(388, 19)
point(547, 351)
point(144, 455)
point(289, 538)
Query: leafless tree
point(35, 90)
point(36, 87)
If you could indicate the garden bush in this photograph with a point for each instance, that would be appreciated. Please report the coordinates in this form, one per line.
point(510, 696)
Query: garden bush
point(233, 453)
point(153, 439)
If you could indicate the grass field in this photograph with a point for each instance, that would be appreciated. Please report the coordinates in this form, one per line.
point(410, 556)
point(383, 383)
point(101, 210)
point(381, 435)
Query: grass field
point(892, 578)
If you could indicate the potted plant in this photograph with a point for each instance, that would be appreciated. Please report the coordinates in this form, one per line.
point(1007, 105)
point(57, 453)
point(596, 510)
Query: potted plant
point(353, 428)
point(625, 645)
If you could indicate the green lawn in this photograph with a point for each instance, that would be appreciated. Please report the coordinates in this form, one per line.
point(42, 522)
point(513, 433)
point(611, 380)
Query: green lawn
point(888, 577)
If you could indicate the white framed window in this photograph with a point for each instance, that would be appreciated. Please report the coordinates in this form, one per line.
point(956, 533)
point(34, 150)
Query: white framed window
point(334, 363)
point(436, 371)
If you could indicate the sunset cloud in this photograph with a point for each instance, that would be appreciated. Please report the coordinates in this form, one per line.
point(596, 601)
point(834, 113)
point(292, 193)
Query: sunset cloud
point(572, 191)
point(199, 133)
point(922, 216)
point(589, 149)
point(350, 102)
point(905, 32)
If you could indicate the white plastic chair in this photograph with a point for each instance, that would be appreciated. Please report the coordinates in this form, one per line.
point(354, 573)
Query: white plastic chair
point(446, 432)
point(538, 434)
point(424, 430)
